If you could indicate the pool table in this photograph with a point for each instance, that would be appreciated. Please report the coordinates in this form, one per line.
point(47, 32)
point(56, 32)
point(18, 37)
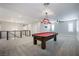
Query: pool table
point(43, 37)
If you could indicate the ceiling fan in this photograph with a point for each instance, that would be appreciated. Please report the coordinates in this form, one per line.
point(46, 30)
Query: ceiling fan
point(62, 21)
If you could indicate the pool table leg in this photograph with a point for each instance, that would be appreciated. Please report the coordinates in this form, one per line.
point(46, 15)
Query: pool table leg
point(7, 35)
point(35, 42)
point(55, 38)
point(43, 44)
point(0, 34)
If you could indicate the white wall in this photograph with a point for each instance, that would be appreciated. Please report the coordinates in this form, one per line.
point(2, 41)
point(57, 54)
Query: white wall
point(9, 26)
point(61, 28)
point(35, 27)
point(77, 30)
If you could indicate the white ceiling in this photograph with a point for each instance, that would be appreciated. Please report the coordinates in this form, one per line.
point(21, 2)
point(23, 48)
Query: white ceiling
point(32, 12)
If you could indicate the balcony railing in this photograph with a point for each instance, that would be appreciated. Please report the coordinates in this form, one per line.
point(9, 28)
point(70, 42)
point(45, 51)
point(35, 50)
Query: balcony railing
point(20, 34)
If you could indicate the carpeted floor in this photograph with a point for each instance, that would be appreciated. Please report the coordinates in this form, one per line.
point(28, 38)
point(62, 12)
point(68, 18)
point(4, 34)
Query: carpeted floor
point(66, 45)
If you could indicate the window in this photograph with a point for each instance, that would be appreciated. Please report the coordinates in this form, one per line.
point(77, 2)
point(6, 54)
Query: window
point(70, 27)
point(77, 27)
point(53, 27)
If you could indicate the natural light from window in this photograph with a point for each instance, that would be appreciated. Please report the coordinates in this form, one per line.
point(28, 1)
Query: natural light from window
point(77, 27)
point(53, 26)
point(70, 27)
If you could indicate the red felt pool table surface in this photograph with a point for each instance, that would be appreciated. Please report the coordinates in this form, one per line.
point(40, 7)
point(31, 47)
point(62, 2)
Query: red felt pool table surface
point(43, 37)
point(44, 34)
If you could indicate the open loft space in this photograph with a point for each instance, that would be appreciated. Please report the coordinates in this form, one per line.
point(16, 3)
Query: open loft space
point(39, 29)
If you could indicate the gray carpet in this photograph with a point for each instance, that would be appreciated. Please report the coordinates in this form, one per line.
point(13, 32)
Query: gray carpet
point(66, 45)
